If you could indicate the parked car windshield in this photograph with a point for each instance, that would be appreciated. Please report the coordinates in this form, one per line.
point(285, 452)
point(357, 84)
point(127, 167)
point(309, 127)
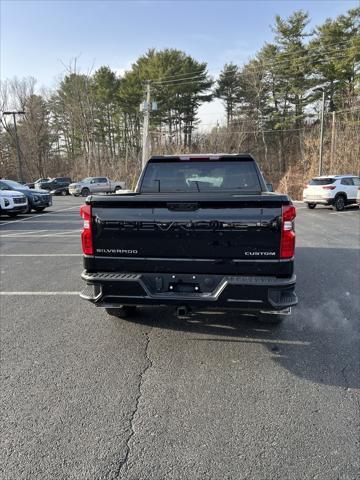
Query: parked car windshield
point(4, 187)
point(322, 181)
point(16, 185)
point(200, 176)
point(85, 180)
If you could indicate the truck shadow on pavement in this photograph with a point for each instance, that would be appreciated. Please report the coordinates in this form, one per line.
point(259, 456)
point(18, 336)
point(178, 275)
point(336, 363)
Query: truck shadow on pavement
point(319, 342)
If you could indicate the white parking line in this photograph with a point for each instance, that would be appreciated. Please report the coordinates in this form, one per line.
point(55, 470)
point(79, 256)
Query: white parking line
point(53, 212)
point(58, 235)
point(63, 233)
point(17, 294)
point(40, 255)
point(35, 234)
point(341, 213)
point(8, 232)
point(56, 221)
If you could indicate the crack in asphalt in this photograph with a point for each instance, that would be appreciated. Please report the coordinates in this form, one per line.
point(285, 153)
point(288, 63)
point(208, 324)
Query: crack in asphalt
point(148, 364)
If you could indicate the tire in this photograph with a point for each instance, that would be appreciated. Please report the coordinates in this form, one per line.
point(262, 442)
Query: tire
point(85, 192)
point(12, 214)
point(311, 205)
point(76, 194)
point(122, 312)
point(340, 203)
point(270, 318)
point(63, 193)
point(28, 208)
point(118, 189)
point(39, 209)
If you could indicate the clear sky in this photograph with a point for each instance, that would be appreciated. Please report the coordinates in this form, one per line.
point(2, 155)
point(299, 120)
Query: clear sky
point(39, 37)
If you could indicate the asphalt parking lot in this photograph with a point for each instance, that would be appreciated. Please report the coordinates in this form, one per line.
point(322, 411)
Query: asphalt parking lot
point(87, 396)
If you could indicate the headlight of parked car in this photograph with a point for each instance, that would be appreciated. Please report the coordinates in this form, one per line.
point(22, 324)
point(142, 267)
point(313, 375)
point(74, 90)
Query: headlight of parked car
point(36, 198)
point(6, 202)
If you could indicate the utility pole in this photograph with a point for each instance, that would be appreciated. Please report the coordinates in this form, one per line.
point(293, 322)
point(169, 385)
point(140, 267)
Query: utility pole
point(18, 151)
point(145, 142)
point(321, 133)
point(333, 134)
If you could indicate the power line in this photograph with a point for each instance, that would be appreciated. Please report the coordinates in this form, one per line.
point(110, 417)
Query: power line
point(247, 132)
point(190, 82)
point(252, 108)
point(201, 72)
point(278, 130)
point(196, 79)
point(326, 47)
point(182, 74)
point(263, 65)
point(325, 50)
point(178, 80)
point(335, 53)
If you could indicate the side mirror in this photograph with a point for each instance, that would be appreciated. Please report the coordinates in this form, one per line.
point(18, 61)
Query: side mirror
point(270, 187)
point(92, 181)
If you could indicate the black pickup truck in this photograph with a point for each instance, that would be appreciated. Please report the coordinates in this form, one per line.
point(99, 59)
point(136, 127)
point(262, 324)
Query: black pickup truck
point(200, 231)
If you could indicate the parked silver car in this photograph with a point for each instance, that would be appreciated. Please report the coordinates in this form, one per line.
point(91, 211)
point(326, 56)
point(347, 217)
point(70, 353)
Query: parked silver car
point(95, 185)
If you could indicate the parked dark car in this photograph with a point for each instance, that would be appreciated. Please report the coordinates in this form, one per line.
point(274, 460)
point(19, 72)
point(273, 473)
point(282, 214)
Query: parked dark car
point(38, 200)
point(32, 184)
point(57, 186)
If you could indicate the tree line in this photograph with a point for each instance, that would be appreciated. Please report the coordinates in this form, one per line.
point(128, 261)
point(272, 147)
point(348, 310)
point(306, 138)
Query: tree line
point(92, 123)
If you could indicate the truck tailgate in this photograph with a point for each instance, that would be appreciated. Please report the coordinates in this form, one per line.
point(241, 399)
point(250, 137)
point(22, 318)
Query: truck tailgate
point(240, 234)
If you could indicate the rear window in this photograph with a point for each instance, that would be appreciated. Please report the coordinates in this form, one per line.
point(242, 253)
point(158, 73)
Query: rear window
point(200, 177)
point(322, 181)
point(347, 181)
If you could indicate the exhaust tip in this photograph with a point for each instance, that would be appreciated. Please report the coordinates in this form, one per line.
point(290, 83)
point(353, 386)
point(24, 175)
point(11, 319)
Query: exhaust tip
point(182, 311)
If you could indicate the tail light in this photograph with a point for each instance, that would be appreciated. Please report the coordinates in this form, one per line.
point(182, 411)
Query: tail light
point(287, 246)
point(86, 234)
point(329, 187)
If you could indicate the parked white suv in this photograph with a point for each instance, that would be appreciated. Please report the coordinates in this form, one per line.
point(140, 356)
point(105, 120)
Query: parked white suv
point(12, 203)
point(336, 190)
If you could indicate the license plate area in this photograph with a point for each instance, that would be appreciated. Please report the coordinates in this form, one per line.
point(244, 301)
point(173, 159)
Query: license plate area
point(184, 287)
point(181, 283)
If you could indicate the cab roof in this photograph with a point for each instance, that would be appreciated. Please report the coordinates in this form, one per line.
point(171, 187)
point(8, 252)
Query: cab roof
point(202, 156)
point(336, 176)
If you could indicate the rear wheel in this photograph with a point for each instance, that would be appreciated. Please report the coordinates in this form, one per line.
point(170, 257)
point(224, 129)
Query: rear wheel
point(311, 205)
point(340, 203)
point(122, 312)
point(63, 193)
point(118, 189)
point(85, 192)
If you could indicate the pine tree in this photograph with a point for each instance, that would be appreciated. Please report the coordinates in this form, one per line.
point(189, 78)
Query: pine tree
point(228, 89)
